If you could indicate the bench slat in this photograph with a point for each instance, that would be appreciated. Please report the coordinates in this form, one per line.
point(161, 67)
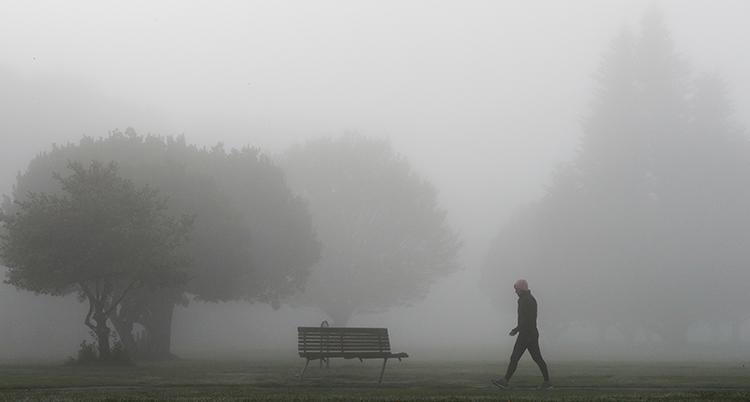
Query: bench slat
point(346, 342)
point(353, 349)
point(352, 355)
point(344, 330)
point(334, 347)
point(334, 337)
point(342, 342)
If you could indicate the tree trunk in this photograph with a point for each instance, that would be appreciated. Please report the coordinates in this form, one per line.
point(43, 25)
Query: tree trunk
point(158, 324)
point(99, 326)
point(132, 308)
point(102, 334)
point(124, 327)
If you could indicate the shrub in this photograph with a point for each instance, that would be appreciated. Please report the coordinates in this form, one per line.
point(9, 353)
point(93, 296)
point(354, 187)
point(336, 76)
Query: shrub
point(88, 353)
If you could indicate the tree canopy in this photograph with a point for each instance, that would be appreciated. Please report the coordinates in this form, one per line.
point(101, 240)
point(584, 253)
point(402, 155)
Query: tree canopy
point(103, 238)
point(648, 223)
point(385, 239)
point(253, 238)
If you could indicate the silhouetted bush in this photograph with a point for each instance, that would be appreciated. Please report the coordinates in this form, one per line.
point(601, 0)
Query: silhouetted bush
point(88, 353)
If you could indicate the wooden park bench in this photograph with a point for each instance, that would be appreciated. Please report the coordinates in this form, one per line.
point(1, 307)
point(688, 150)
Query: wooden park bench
point(350, 343)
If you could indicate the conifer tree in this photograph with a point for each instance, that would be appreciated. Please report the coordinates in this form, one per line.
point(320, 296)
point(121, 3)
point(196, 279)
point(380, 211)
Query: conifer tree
point(647, 222)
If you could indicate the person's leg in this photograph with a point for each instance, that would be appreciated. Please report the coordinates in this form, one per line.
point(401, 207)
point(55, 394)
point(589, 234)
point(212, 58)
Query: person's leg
point(518, 350)
point(536, 354)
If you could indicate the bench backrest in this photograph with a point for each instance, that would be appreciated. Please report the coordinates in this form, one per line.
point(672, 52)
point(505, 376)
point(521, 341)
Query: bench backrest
point(342, 339)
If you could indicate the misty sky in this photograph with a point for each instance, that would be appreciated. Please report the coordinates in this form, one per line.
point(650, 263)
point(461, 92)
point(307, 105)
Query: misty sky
point(483, 97)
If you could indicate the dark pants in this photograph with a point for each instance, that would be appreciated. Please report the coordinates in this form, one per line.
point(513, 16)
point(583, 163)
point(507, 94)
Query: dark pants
point(530, 342)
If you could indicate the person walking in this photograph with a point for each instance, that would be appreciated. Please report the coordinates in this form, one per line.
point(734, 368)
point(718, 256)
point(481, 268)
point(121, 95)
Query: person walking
point(528, 336)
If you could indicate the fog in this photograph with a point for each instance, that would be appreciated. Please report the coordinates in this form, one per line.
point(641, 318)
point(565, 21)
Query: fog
point(483, 98)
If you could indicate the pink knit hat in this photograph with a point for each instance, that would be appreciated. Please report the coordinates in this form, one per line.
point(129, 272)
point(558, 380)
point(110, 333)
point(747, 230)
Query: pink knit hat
point(521, 284)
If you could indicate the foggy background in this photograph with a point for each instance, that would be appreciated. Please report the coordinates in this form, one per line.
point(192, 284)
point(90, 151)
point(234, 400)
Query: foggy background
point(482, 97)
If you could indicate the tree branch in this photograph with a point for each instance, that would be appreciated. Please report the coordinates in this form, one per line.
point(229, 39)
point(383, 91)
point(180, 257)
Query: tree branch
point(92, 302)
point(122, 296)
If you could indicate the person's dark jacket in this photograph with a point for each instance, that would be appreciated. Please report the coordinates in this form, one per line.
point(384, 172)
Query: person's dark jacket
point(526, 315)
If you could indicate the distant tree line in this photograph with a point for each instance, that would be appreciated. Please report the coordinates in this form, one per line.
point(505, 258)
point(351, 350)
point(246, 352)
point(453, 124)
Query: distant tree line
point(646, 231)
point(246, 234)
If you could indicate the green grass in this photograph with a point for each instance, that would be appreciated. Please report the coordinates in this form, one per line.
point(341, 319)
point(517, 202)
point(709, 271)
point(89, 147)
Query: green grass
point(440, 380)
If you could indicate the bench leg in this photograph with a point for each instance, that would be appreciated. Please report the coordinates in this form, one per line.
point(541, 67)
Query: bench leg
point(303, 369)
point(382, 371)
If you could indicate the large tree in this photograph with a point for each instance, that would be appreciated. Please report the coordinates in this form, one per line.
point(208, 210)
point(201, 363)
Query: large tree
point(104, 238)
point(385, 239)
point(648, 223)
point(253, 238)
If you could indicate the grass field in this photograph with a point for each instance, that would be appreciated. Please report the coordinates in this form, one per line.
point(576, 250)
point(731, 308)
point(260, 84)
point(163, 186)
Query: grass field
point(263, 379)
